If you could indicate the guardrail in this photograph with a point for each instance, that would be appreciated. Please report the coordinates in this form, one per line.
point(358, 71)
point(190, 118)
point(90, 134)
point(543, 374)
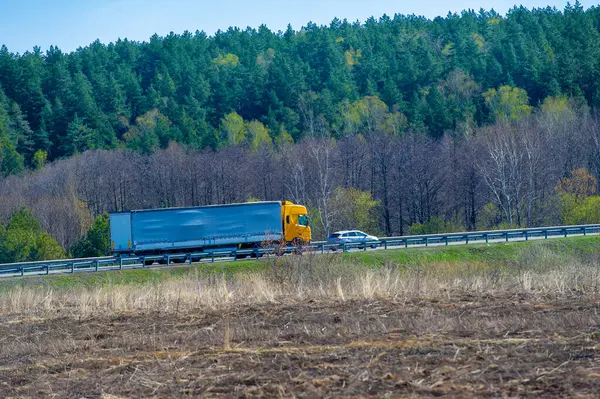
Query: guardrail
point(122, 262)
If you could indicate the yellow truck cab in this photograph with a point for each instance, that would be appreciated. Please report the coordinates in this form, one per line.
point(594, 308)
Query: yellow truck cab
point(295, 223)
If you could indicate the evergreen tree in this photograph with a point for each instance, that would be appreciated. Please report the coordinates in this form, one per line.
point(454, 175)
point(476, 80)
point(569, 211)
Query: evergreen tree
point(96, 242)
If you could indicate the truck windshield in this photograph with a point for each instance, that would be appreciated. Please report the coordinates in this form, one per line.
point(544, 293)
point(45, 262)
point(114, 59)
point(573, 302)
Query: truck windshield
point(302, 220)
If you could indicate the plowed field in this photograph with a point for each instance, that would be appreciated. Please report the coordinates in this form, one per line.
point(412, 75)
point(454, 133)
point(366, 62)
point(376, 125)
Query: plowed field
point(463, 346)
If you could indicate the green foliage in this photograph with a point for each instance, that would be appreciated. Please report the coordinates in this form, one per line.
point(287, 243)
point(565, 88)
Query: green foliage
point(23, 240)
point(578, 204)
point(508, 103)
point(79, 137)
point(227, 59)
point(355, 209)
point(233, 128)
point(283, 139)
point(433, 226)
point(11, 162)
point(259, 135)
point(351, 79)
point(576, 210)
point(153, 130)
point(46, 248)
point(96, 242)
point(490, 217)
point(39, 159)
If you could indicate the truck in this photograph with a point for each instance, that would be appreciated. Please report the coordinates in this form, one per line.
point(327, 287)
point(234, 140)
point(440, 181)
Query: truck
point(202, 230)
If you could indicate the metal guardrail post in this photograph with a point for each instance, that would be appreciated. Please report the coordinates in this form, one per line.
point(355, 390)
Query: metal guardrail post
point(466, 239)
point(506, 235)
point(72, 267)
point(486, 238)
point(97, 265)
point(565, 231)
point(446, 240)
point(426, 241)
point(120, 263)
point(22, 271)
point(47, 269)
point(385, 244)
point(212, 257)
point(545, 234)
point(584, 231)
point(526, 236)
point(405, 243)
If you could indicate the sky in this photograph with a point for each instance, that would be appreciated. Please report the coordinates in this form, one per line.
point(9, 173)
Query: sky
point(70, 24)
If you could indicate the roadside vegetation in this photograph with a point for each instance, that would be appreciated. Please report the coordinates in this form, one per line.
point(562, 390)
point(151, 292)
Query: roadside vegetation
point(558, 267)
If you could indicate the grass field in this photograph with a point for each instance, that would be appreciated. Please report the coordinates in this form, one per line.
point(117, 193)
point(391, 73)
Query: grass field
point(504, 256)
point(517, 319)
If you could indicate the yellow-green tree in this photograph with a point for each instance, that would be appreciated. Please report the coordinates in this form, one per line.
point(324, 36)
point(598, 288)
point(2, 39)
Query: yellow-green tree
point(283, 139)
point(258, 135)
point(578, 203)
point(370, 114)
point(355, 209)
point(226, 59)
point(233, 128)
point(39, 159)
point(508, 103)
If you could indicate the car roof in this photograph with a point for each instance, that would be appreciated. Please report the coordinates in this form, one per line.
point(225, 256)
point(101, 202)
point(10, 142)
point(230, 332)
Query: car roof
point(347, 231)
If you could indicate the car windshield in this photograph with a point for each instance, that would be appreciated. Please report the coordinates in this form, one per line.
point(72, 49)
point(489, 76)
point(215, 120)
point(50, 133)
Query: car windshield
point(334, 235)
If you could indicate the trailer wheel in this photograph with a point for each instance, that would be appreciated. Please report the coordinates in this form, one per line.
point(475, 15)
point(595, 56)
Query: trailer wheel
point(148, 262)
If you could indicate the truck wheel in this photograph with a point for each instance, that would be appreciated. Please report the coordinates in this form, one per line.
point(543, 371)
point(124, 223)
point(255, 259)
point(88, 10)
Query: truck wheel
point(148, 262)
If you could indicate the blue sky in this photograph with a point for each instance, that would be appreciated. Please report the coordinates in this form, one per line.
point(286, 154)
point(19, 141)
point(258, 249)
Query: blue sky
point(73, 23)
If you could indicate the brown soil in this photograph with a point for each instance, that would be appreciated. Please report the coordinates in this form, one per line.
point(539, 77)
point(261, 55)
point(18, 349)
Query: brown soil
point(459, 347)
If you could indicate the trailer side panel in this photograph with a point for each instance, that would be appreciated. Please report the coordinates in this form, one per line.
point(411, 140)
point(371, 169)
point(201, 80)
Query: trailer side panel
point(205, 227)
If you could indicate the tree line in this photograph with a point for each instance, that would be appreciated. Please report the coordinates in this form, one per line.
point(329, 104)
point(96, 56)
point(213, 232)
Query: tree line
point(256, 86)
point(541, 169)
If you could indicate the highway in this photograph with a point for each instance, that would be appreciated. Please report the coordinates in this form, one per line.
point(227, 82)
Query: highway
point(86, 265)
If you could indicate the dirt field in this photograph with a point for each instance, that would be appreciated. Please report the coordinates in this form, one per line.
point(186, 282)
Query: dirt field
point(470, 346)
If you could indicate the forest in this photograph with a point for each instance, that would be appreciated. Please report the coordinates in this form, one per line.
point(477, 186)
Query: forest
point(398, 125)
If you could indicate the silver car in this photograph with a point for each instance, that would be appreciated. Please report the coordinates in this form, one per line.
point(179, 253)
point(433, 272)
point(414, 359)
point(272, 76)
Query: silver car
point(351, 238)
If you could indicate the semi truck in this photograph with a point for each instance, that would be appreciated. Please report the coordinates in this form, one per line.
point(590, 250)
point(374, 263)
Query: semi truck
point(208, 229)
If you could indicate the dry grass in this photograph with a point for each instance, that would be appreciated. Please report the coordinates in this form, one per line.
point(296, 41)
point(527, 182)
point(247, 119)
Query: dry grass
point(296, 279)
